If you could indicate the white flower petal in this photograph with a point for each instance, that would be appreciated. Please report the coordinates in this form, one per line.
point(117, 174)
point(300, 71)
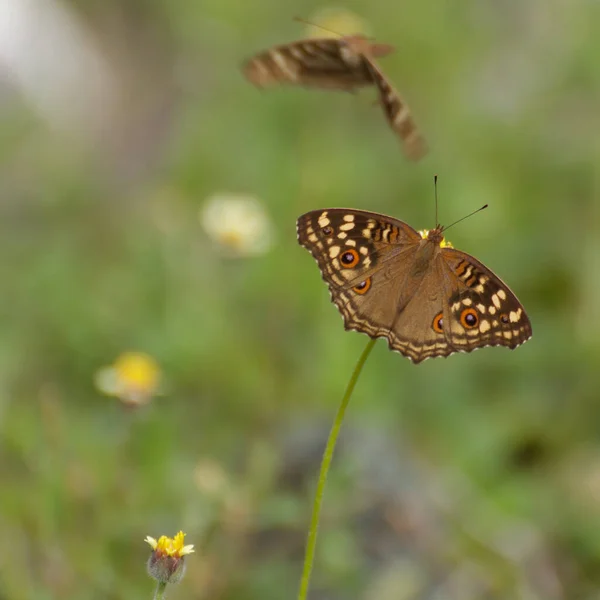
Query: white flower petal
point(107, 381)
point(151, 541)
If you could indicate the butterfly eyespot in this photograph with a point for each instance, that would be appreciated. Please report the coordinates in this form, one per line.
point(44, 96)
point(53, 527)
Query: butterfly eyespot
point(364, 287)
point(504, 318)
point(349, 258)
point(438, 323)
point(469, 318)
point(327, 230)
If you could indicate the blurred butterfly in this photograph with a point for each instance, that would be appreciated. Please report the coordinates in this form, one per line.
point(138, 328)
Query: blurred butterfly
point(345, 63)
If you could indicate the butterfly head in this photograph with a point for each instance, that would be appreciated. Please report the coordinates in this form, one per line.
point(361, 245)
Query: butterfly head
point(435, 236)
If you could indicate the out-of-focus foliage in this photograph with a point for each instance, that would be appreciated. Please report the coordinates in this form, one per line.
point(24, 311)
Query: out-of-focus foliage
point(472, 477)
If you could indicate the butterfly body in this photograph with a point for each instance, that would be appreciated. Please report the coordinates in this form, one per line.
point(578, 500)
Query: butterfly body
point(414, 289)
point(345, 63)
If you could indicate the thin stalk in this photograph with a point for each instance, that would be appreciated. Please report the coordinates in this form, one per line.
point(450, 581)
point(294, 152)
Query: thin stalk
point(159, 594)
point(325, 464)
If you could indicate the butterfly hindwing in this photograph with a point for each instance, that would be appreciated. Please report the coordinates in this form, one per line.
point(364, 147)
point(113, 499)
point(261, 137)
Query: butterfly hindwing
point(416, 331)
point(398, 115)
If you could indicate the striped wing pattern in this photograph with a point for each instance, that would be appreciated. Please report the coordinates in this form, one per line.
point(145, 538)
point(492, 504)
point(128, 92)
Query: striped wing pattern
point(398, 115)
point(326, 63)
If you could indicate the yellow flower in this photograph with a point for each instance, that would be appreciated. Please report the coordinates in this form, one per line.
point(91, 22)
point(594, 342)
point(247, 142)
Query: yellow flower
point(443, 244)
point(166, 563)
point(170, 546)
point(338, 21)
point(238, 223)
point(134, 378)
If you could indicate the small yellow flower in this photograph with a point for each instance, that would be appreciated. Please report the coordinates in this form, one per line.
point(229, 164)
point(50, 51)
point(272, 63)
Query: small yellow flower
point(443, 244)
point(166, 546)
point(238, 223)
point(166, 563)
point(336, 20)
point(134, 378)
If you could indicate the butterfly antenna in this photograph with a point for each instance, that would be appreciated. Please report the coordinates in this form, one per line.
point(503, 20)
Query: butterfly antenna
point(436, 200)
point(301, 20)
point(463, 218)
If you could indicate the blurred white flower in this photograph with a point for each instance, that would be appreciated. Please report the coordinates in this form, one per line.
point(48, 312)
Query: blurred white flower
point(210, 478)
point(238, 223)
point(337, 20)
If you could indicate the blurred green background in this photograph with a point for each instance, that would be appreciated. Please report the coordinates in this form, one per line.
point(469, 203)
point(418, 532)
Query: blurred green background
point(473, 477)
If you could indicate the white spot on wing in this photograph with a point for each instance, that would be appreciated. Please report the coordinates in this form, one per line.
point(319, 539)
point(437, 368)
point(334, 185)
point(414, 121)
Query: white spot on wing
point(284, 65)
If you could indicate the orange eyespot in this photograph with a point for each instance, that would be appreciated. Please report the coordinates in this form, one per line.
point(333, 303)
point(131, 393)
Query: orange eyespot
point(438, 323)
point(469, 318)
point(364, 287)
point(349, 258)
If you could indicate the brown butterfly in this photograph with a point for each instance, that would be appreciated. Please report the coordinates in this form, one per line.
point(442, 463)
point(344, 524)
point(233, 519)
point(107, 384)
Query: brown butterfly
point(346, 63)
point(412, 288)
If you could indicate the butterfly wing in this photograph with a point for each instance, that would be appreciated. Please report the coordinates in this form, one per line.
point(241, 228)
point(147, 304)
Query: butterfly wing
point(365, 258)
point(398, 114)
point(417, 329)
point(481, 309)
point(319, 63)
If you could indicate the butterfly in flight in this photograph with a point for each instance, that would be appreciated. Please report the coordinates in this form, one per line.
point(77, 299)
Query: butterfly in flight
point(345, 63)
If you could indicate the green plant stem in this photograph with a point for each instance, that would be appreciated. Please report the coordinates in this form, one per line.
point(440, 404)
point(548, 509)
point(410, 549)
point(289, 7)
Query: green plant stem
point(325, 464)
point(159, 594)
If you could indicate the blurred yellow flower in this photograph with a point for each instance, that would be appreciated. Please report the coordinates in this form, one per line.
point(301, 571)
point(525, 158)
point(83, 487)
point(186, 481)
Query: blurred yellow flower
point(166, 563)
point(338, 21)
point(443, 244)
point(134, 378)
point(167, 546)
point(238, 223)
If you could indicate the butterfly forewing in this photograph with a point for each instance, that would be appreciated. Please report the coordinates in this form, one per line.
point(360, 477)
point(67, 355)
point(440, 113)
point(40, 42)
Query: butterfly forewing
point(374, 238)
point(426, 300)
point(327, 63)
